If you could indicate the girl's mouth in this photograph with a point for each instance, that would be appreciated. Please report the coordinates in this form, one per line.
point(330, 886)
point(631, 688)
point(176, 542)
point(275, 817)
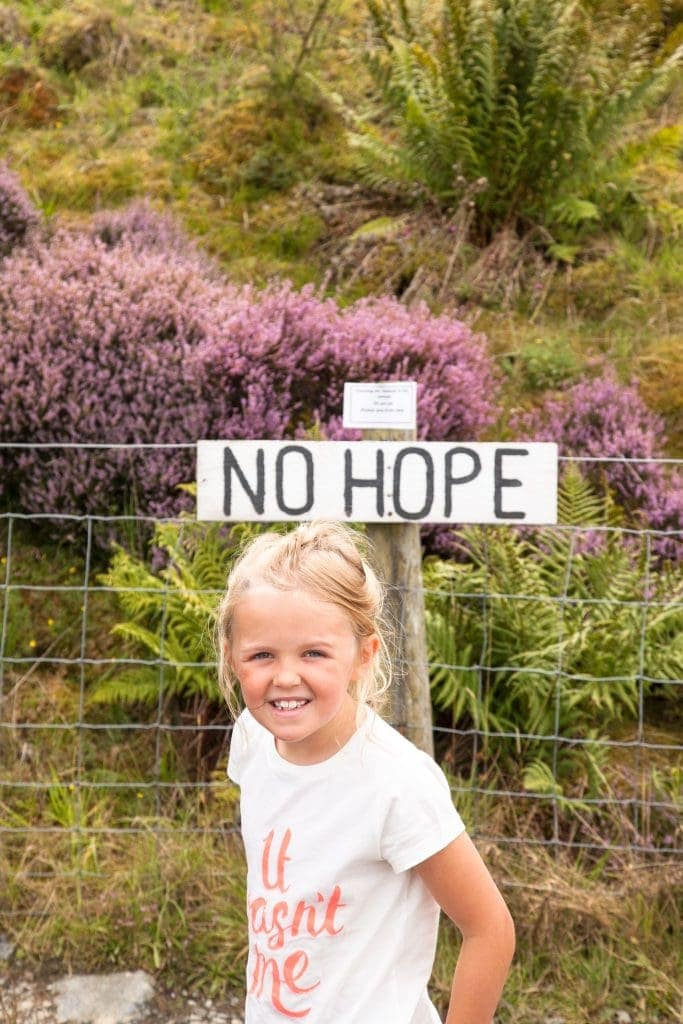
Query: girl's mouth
point(288, 705)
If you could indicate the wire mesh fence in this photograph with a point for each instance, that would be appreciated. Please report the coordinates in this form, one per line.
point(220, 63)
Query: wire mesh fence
point(555, 659)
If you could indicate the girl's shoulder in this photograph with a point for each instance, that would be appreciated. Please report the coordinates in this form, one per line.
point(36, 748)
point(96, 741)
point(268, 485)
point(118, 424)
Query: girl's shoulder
point(401, 759)
point(245, 738)
point(413, 796)
point(245, 728)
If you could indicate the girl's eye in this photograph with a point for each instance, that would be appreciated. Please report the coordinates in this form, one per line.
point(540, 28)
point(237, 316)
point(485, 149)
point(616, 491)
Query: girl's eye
point(314, 654)
point(260, 656)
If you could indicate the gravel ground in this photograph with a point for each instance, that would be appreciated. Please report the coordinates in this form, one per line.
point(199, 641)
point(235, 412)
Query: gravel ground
point(25, 999)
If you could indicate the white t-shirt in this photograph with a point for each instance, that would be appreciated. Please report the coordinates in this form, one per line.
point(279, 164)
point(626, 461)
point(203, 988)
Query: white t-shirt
point(340, 930)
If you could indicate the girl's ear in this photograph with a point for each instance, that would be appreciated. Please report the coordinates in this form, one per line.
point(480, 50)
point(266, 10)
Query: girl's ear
point(369, 647)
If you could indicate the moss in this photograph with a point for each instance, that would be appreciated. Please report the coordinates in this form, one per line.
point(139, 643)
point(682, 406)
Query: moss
point(108, 180)
point(26, 97)
point(71, 39)
point(296, 236)
point(660, 370)
point(263, 143)
point(591, 289)
point(13, 29)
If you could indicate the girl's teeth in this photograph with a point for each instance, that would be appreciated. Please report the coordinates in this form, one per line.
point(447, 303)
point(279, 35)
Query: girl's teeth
point(289, 705)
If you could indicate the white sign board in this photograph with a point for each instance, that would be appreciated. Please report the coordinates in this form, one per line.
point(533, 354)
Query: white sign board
point(377, 481)
point(389, 404)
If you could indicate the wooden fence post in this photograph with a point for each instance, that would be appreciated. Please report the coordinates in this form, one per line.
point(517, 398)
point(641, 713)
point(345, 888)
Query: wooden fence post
point(399, 559)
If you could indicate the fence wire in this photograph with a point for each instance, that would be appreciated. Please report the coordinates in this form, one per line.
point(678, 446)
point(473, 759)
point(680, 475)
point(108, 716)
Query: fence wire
point(72, 765)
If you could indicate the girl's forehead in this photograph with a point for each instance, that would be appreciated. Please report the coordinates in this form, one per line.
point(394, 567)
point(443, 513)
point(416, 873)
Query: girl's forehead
point(264, 605)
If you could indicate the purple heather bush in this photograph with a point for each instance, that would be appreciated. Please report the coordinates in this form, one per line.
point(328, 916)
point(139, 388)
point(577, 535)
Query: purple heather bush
point(19, 218)
point(141, 227)
point(117, 342)
point(602, 418)
point(299, 350)
point(96, 342)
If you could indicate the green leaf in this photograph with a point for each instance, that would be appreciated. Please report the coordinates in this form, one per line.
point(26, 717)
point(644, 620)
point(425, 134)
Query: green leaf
point(538, 778)
point(563, 253)
point(379, 227)
point(573, 211)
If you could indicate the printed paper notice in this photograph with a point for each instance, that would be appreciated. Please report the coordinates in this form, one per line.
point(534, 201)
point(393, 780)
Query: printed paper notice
point(390, 404)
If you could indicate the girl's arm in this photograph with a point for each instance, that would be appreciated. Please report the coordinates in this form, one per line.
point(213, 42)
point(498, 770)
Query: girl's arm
point(461, 884)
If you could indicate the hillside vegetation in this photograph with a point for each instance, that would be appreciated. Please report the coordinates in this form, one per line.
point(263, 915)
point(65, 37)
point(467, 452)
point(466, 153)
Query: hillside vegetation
point(277, 196)
point(293, 139)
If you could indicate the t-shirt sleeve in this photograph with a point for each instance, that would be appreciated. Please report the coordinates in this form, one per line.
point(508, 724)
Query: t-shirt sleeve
point(421, 818)
point(238, 748)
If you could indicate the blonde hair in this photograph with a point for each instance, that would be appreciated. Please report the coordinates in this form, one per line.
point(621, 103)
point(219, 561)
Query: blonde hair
point(330, 561)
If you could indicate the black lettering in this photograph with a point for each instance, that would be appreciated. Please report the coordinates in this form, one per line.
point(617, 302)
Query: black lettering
point(499, 482)
point(256, 496)
point(280, 480)
point(429, 483)
point(450, 481)
point(351, 481)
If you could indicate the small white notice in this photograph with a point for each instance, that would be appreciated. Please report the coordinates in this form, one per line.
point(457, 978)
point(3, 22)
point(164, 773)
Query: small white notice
point(389, 404)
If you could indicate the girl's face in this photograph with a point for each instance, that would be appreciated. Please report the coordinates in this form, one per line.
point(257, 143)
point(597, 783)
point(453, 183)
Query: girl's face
point(295, 657)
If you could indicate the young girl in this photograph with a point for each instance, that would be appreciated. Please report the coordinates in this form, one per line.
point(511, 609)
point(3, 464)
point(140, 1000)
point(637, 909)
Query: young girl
point(351, 838)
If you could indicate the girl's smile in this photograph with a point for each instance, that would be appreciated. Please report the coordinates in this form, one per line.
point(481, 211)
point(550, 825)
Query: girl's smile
point(295, 656)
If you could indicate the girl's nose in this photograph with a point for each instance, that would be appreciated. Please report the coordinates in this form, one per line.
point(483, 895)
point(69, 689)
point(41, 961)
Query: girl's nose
point(286, 675)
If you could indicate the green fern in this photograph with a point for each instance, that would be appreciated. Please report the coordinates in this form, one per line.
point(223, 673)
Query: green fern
point(168, 617)
point(531, 95)
point(166, 635)
point(579, 504)
point(552, 633)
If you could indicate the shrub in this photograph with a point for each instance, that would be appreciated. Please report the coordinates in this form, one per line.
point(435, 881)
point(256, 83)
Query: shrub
point(530, 97)
point(295, 351)
point(19, 218)
point(141, 227)
point(267, 141)
point(602, 418)
point(136, 344)
point(97, 345)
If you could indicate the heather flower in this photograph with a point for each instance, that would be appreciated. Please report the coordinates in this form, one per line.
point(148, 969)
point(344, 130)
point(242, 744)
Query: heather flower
point(18, 216)
point(96, 344)
point(142, 227)
point(118, 341)
point(602, 418)
point(283, 357)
